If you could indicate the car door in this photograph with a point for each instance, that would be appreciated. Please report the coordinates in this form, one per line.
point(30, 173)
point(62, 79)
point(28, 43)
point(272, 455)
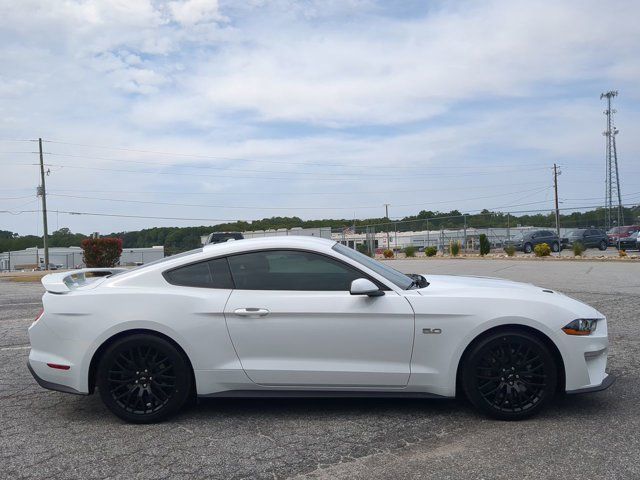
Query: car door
point(294, 323)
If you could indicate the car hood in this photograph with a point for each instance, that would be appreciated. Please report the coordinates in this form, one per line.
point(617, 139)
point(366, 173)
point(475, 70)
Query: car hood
point(488, 288)
point(456, 282)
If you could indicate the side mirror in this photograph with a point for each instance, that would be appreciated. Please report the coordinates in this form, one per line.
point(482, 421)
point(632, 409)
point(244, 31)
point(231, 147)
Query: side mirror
point(362, 286)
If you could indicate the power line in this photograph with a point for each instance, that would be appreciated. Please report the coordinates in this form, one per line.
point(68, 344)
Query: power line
point(260, 192)
point(244, 159)
point(316, 175)
point(360, 207)
point(236, 220)
point(173, 164)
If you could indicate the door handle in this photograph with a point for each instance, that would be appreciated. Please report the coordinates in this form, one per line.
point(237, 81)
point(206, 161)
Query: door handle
point(251, 312)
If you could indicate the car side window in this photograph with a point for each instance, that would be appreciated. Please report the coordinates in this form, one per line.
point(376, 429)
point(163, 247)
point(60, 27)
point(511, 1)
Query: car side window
point(290, 270)
point(209, 274)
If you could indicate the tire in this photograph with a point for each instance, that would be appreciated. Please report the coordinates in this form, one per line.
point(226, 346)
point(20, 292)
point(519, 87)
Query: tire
point(126, 383)
point(603, 245)
point(555, 247)
point(528, 248)
point(509, 375)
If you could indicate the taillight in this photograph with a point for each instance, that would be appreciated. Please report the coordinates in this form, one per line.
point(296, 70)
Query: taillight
point(58, 366)
point(39, 315)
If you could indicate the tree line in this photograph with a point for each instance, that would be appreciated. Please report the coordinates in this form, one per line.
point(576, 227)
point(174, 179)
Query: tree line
point(179, 239)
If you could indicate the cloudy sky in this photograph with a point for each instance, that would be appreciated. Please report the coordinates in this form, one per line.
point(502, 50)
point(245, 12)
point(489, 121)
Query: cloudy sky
point(209, 110)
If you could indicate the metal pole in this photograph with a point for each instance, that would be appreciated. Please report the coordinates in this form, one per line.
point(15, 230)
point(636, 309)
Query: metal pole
point(43, 192)
point(465, 231)
point(555, 187)
point(428, 235)
point(386, 215)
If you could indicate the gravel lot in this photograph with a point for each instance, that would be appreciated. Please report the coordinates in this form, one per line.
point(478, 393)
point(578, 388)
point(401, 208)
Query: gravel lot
point(49, 434)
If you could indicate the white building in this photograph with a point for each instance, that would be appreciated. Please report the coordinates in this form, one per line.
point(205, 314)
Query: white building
point(437, 238)
point(71, 257)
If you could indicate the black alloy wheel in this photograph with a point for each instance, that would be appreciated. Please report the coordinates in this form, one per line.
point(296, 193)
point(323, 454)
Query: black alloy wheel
point(603, 245)
point(509, 375)
point(143, 378)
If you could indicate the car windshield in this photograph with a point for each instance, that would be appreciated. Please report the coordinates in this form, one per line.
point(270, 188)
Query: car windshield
point(615, 230)
point(576, 233)
point(397, 278)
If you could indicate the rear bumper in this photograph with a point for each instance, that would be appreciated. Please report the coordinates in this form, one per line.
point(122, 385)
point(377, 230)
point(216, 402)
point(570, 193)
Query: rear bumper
point(606, 383)
point(50, 385)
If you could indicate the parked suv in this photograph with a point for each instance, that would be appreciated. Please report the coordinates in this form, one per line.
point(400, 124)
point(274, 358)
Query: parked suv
point(632, 242)
point(528, 240)
point(617, 233)
point(588, 237)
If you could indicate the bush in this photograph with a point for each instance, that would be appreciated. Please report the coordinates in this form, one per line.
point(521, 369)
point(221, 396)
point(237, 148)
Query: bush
point(622, 253)
point(101, 252)
point(454, 248)
point(362, 249)
point(510, 249)
point(388, 253)
point(578, 249)
point(410, 251)
point(485, 245)
point(542, 250)
point(430, 251)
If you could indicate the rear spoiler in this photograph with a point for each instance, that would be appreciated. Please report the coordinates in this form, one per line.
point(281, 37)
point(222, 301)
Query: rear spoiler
point(64, 282)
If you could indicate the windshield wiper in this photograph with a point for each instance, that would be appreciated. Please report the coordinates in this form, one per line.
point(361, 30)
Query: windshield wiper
point(417, 281)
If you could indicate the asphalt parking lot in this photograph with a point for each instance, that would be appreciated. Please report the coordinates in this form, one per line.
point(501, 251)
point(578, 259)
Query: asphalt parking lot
point(47, 434)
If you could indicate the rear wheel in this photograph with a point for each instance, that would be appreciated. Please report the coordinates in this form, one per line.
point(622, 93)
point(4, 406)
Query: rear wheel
point(143, 378)
point(603, 245)
point(509, 375)
point(528, 248)
point(555, 246)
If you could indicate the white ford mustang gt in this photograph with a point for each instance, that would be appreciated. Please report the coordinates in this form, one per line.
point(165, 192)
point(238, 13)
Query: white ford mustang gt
point(302, 316)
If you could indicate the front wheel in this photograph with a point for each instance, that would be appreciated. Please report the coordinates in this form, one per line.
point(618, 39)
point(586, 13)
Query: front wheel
point(528, 248)
point(143, 378)
point(509, 375)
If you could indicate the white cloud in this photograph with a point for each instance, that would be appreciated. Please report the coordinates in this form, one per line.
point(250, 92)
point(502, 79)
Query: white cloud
point(192, 12)
point(356, 82)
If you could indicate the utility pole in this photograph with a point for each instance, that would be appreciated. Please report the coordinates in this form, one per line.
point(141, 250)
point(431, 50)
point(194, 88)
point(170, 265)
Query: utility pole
point(555, 188)
point(43, 192)
point(386, 215)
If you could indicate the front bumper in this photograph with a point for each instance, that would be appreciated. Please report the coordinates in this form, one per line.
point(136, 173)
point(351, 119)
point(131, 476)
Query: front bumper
point(606, 383)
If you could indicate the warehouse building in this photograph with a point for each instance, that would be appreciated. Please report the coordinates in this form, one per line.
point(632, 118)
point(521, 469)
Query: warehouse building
point(71, 257)
point(469, 238)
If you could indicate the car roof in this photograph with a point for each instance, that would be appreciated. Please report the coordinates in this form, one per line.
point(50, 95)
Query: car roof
point(292, 241)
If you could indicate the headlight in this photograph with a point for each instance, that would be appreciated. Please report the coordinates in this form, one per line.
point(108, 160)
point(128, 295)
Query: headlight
point(581, 326)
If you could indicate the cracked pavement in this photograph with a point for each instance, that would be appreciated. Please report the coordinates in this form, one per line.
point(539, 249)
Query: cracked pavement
point(50, 434)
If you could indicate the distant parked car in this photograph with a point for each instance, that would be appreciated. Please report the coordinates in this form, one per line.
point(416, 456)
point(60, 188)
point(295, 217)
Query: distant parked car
point(632, 242)
point(618, 233)
point(220, 237)
point(589, 237)
point(528, 240)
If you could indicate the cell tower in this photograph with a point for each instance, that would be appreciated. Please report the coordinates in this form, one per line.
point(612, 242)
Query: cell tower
point(613, 213)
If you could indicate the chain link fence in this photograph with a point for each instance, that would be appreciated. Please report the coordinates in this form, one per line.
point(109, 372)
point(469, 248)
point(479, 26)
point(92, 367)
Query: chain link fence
point(465, 229)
